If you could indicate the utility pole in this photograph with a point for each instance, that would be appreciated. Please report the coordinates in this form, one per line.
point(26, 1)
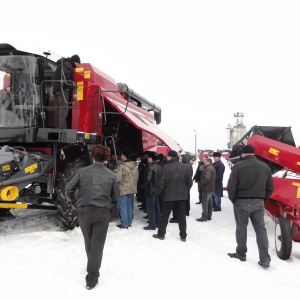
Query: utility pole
point(195, 143)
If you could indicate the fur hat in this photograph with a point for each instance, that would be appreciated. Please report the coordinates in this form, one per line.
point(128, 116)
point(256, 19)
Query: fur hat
point(155, 158)
point(172, 153)
point(75, 59)
point(248, 149)
point(161, 156)
point(152, 154)
point(147, 152)
point(217, 154)
point(126, 153)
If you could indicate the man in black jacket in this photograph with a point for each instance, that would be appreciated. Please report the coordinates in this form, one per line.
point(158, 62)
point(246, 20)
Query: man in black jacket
point(97, 189)
point(175, 185)
point(63, 87)
point(197, 177)
point(220, 169)
point(152, 191)
point(140, 195)
point(249, 184)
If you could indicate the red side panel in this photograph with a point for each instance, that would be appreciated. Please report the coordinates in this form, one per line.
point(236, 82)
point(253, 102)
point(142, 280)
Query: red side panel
point(163, 150)
point(149, 141)
point(286, 190)
point(89, 80)
point(141, 119)
point(276, 152)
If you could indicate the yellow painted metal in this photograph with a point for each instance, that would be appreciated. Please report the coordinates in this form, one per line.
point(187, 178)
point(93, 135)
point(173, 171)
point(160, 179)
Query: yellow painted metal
point(9, 193)
point(14, 205)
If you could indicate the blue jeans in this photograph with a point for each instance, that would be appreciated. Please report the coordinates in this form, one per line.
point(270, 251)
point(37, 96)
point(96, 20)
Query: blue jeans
point(217, 199)
point(153, 210)
point(253, 209)
point(125, 203)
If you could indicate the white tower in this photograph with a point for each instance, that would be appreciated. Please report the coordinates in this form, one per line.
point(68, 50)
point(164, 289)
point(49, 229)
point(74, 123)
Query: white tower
point(238, 130)
point(228, 129)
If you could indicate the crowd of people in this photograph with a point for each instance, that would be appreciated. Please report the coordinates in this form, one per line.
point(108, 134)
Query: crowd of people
point(162, 186)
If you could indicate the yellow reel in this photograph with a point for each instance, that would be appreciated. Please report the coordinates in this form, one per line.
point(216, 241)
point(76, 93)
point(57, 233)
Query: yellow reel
point(9, 193)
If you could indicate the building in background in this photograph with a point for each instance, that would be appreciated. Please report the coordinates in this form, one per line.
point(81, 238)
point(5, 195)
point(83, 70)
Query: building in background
point(236, 132)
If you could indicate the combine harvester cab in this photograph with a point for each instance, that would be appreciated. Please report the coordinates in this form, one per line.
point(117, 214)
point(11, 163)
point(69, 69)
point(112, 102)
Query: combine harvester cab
point(37, 159)
point(276, 147)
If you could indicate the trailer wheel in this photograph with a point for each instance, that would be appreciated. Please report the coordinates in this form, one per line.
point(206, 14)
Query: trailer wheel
point(283, 238)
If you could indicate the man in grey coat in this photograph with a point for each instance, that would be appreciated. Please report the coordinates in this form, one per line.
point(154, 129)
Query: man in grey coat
point(249, 184)
point(175, 185)
point(97, 189)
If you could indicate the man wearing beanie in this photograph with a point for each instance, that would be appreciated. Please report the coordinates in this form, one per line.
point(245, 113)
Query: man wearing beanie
point(175, 184)
point(63, 87)
point(249, 184)
point(97, 190)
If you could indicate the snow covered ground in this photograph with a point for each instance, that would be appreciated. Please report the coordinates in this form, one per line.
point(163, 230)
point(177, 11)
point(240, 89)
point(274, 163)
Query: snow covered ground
point(40, 261)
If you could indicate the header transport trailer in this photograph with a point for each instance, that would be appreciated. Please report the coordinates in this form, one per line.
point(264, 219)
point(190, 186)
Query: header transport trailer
point(37, 159)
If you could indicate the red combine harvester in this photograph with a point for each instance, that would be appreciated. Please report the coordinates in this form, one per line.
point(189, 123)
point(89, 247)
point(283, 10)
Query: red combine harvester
point(37, 159)
point(276, 147)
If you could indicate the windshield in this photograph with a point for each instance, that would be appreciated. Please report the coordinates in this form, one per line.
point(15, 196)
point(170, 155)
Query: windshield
point(19, 91)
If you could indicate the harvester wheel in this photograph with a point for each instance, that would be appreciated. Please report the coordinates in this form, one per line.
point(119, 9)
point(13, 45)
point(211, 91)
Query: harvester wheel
point(66, 213)
point(283, 238)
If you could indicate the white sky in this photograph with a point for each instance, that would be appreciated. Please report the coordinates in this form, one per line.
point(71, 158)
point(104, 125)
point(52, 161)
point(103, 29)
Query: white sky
point(200, 61)
point(38, 261)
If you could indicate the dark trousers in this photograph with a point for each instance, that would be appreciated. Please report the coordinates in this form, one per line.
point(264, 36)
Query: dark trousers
point(61, 113)
point(153, 210)
point(207, 204)
point(161, 199)
point(114, 213)
point(187, 209)
point(200, 192)
point(179, 207)
point(253, 209)
point(94, 225)
point(188, 206)
point(140, 196)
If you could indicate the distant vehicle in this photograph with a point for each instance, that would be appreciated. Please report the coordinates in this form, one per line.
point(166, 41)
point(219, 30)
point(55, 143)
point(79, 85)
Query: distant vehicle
point(224, 153)
point(205, 152)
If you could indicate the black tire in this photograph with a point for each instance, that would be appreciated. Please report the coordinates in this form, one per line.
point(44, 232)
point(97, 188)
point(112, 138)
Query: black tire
point(283, 238)
point(68, 215)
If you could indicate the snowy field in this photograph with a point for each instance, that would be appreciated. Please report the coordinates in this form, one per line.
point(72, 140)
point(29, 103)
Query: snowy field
point(40, 261)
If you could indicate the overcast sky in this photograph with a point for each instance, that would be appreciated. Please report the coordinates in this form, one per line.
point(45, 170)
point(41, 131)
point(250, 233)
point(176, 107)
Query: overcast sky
point(200, 61)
